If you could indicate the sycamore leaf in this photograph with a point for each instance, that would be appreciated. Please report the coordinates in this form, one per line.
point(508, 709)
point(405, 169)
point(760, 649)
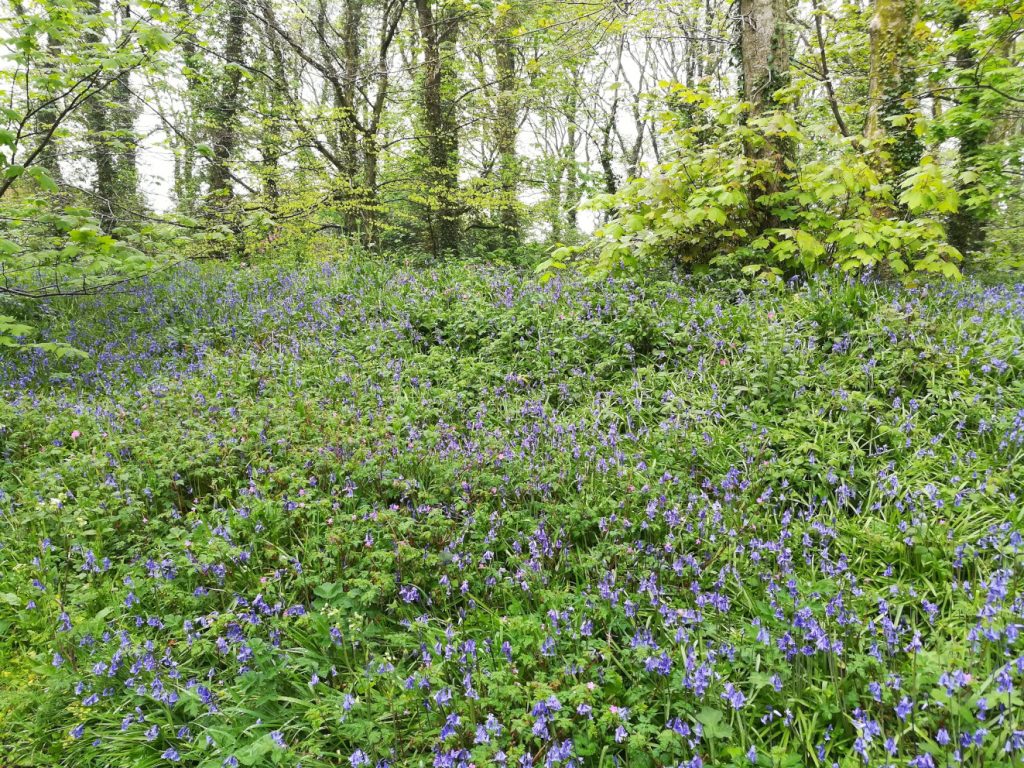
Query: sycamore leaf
point(809, 245)
point(43, 179)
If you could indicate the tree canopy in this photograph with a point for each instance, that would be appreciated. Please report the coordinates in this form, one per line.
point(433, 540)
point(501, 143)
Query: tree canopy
point(762, 137)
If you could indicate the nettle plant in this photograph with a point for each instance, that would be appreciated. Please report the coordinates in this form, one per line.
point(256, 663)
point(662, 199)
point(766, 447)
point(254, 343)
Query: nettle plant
point(759, 195)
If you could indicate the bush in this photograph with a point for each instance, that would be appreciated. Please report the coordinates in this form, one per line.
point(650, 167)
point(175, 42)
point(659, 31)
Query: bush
point(748, 194)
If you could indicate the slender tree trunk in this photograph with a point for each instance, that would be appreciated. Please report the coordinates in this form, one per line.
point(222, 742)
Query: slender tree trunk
point(49, 157)
point(350, 141)
point(224, 113)
point(272, 140)
point(439, 35)
point(506, 129)
point(371, 163)
point(371, 136)
point(605, 151)
point(350, 76)
point(704, 53)
point(100, 139)
point(123, 114)
point(631, 154)
point(573, 193)
point(826, 76)
point(185, 181)
point(343, 89)
point(106, 171)
point(553, 189)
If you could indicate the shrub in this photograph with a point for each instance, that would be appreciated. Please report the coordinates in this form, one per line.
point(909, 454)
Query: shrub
point(746, 194)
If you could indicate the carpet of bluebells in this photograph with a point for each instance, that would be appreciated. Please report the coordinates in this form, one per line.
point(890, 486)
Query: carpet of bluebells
point(368, 516)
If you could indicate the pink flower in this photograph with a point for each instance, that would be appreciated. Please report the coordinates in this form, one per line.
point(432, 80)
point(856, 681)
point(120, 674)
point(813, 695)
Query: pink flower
point(75, 435)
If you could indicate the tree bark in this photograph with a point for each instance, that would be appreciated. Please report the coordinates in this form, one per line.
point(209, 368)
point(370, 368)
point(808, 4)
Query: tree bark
point(605, 156)
point(185, 180)
point(967, 226)
point(343, 88)
point(371, 136)
point(826, 76)
point(272, 140)
point(111, 117)
point(891, 84)
point(439, 35)
point(102, 150)
point(764, 50)
point(573, 194)
point(49, 157)
point(224, 113)
point(506, 129)
point(123, 114)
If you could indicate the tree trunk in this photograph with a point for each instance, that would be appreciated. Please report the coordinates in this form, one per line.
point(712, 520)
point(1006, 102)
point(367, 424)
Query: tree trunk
point(605, 152)
point(553, 191)
point(123, 114)
point(371, 135)
point(271, 144)
point(891, 85)
point(506, 129)
point(573, 194)
point(184, 137)
point(350, 76)
point(343, 88)
point(224, 131)
point(967, 226)
point(764, 50)
point(440, 124)
point(49, 156)
point(826, 76)
point(102, 150)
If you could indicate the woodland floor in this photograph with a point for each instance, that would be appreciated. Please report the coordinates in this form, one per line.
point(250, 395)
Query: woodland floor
point(347, 516)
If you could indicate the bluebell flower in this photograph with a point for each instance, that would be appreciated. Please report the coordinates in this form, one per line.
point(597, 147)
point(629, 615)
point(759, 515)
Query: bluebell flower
point(904, 708)
point(734, 696)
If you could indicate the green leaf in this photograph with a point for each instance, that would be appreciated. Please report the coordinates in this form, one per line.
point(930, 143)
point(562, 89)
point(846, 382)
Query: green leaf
point(43, 178)
point(809, 245)
point(714, 728)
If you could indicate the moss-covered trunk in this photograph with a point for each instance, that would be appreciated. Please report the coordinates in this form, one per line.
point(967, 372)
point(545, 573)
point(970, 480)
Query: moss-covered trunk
point(891, 83)
point(764, 50)
point(224, 113)
point(506, 126)
point(764, 53)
